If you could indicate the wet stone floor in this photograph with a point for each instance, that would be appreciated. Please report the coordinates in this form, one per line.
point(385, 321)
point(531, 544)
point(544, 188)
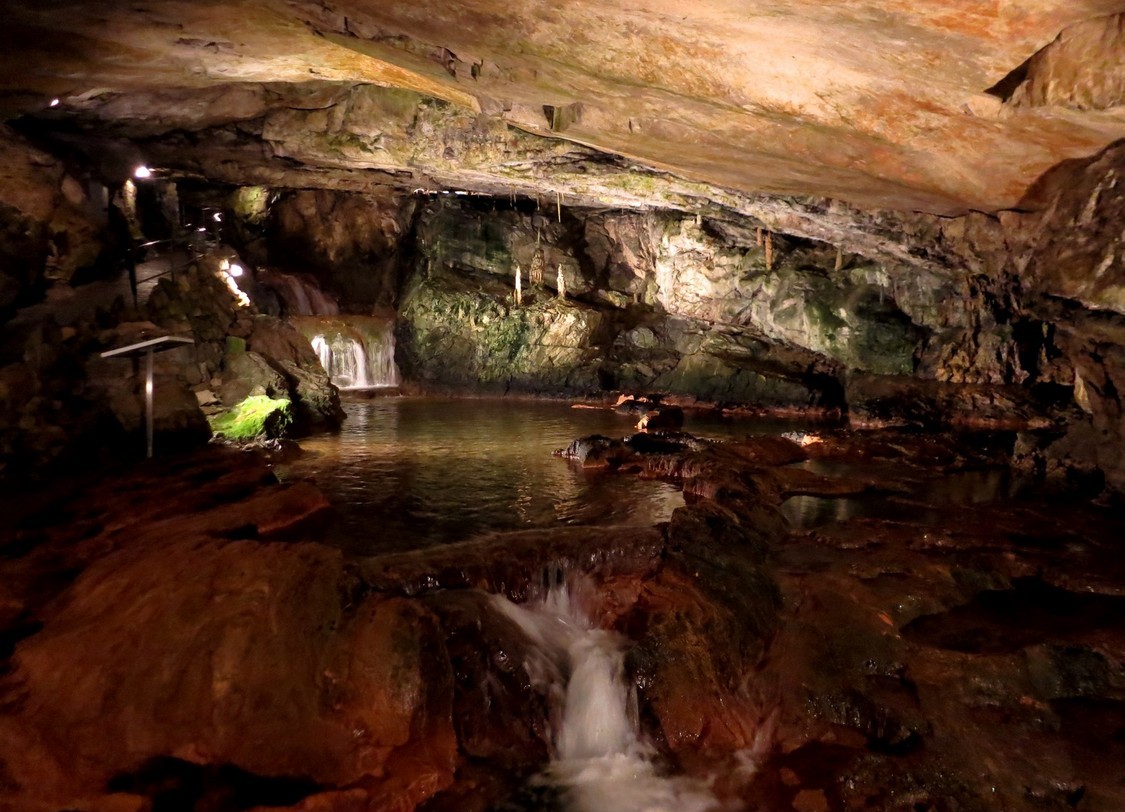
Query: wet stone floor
point(823, 622)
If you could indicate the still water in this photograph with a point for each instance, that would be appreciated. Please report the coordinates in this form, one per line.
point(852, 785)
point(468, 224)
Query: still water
point(922, 499)
point(407, 473)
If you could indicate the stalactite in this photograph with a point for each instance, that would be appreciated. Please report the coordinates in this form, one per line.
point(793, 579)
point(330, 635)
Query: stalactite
point(519, 285)
point(839, 258)
point(759, 236)
point(561, 284)
point(535, 272)
point(558, 204)
point(769, 251)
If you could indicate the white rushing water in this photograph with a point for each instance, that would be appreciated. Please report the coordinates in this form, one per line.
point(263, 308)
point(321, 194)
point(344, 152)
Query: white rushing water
point(599, 758)
point(356, 358)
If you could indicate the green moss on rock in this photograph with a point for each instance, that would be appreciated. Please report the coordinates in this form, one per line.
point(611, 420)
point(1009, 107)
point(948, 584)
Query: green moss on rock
point(255, 418)
point(475, 339)
point(250, 203)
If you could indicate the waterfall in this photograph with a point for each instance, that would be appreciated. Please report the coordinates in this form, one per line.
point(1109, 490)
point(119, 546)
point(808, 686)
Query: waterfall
point(300, 293)
point(357, 352)
point(600, 759)
point(322, 350)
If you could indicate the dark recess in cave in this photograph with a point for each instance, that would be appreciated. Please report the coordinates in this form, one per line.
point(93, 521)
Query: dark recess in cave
point(1004, 89)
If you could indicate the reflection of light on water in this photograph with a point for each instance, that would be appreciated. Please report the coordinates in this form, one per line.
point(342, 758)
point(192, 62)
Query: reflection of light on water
point(921, 504)
point(409, 473)
point(812, 511)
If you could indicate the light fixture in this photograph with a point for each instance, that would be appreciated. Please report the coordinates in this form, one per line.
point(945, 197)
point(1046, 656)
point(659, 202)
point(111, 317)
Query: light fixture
point(235, 269)
point(142, 172)
point(217, 217)
point(54, 102)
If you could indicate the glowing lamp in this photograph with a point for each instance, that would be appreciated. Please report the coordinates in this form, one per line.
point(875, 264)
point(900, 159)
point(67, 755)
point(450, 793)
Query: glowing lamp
point(235, 269)
point(54, 102)
point(142, 172)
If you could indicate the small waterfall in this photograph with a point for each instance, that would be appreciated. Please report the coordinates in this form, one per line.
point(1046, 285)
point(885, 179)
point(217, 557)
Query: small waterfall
point(300, 293)
point(599, 757)
point(358, 352)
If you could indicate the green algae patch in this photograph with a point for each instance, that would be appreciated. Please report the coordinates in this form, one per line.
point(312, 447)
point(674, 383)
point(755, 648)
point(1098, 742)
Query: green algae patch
point(255, 418)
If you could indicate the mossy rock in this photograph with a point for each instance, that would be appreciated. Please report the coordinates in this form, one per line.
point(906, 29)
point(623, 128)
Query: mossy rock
point(257, 417)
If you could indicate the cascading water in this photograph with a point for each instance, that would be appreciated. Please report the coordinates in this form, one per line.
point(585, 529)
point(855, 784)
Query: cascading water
point(358, 352)
point(299, 293)
point(600, 760)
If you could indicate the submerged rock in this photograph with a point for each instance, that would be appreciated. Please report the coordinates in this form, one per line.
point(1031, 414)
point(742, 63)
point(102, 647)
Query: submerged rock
point(596, 451)
point(663, 417)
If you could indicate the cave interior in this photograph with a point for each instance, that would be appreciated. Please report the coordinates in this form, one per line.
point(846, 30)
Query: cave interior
point(891, 233)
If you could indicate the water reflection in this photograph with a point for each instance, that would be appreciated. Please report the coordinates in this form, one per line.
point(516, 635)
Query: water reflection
point(406, 473)
point(926, 501)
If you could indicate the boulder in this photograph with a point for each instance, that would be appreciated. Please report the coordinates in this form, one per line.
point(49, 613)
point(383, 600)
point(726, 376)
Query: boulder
point(663, 417)
point(596, 451)
point(255, 417)
point(316, 401)
point(246, 373)
point(280, 676)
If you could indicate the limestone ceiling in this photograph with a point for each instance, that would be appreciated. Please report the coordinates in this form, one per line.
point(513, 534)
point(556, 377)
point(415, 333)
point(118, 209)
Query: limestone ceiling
point(883, 103)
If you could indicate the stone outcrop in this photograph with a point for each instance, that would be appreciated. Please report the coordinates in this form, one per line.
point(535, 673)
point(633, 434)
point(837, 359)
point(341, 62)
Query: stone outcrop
point(709, 310)
point(216, 655)
point(348, 242)
point(239, 352)
point(50, 229)
point(1072, 276)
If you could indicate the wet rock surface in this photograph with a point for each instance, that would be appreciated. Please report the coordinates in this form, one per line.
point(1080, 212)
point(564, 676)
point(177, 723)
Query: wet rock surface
point(962, 652)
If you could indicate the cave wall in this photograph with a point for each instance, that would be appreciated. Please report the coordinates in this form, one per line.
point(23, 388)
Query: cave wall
point(1072, 277)
point(49, 229)
point(709, 307)
point(65, 408)
point(349, 243)
point(700, 307)
point(1010, 321)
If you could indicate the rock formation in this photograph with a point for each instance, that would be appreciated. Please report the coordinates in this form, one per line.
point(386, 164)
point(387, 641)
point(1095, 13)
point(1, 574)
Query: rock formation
point(898, 217)
point(346, 173)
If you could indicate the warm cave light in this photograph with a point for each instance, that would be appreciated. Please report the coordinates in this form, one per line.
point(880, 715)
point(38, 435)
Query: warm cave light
point(217, 217)
point(142, 172)
point(239, 294)
point(235, 269)
point(54, 102)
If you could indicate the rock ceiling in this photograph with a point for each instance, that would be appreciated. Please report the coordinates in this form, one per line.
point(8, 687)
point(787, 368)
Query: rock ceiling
point(942, 106)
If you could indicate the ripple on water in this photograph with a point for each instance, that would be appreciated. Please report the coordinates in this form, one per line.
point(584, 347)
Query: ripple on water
point(407, 473)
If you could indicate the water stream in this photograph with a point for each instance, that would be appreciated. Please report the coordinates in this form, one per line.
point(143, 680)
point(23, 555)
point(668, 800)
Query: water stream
point(357, 352)
point(600, 760)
